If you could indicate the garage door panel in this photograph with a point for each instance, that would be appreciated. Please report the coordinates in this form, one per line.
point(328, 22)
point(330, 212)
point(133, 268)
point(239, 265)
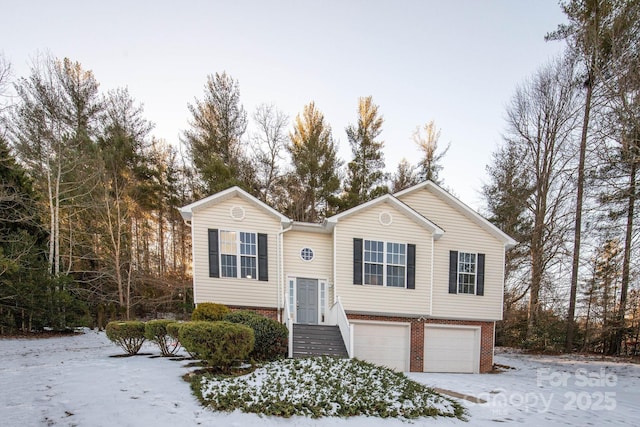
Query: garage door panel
point(383, 344)
point(451, 349)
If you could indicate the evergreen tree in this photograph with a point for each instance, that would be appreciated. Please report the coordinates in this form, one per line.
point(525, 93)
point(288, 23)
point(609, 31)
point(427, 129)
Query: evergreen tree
point(404, 177)
point(29, 298)
point(365, 173)
point(429, 167)
point(314, 157)
point(214, 141)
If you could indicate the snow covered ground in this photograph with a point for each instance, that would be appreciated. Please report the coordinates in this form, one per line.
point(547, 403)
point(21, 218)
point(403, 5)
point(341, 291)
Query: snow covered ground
point(72, 381)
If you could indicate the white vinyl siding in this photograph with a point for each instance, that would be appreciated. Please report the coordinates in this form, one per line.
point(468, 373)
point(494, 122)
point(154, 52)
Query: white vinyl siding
point(320, 267)
point(382, 299)
point(237, 290)
point(462, 234)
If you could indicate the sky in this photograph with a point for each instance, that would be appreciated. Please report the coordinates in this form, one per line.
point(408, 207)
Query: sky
point(455, 62)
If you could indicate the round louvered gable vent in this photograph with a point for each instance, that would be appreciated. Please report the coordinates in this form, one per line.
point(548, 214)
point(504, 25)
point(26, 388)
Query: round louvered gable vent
point(385, 218)
point(237, 213)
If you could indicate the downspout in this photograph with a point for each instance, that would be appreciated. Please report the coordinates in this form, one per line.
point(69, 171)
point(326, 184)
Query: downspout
point(335, 282)
point(189, 223)
point(431, 274)
point(280, 268)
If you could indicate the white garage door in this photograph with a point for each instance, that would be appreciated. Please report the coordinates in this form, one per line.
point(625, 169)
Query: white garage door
point(384, 343)
point(451, 349)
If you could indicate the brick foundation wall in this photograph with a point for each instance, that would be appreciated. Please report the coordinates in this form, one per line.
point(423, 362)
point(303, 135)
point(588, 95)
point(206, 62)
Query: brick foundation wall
point(417, 337)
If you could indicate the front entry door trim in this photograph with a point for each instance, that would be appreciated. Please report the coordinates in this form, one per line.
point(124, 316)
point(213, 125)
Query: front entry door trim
point(322, 297)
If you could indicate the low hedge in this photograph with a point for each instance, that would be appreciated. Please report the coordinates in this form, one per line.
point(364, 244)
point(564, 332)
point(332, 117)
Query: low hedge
point(271, 336)
point(128, 335)
point(173, 330)
point(156, 331)
point(209, 311)
point(217, 343)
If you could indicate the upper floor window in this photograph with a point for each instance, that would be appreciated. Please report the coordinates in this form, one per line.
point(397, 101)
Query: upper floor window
point(380, 263)
point(466, 273)
point(238, 245)
point(373, 262)
point(381, 258)
point(396, 264)
point(306, 254)
point(238, 254)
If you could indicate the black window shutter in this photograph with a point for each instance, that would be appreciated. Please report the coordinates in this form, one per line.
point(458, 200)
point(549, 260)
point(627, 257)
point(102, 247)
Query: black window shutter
point(480, 275)
point(214, 267)
point(357, 261)
point(453, 272)
point(263, 264)
point(411, 266)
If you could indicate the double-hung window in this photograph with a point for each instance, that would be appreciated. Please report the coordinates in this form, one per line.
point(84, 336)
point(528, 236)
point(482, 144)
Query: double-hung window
point(373, 262)
point(248, 255)
point(466, 273)
point(228, 253)
point(385, 263)
point(396, 264)
point(238, 245)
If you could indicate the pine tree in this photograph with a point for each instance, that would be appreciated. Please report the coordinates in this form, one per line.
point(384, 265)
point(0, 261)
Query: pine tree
point(404, 177)
point(429, 167)
point(365, 173)
point(25, 295)
point(214, 141)
point(315, 160)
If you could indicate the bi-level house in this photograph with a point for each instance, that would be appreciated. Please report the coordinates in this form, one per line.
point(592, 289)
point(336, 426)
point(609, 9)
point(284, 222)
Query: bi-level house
point(413, 280)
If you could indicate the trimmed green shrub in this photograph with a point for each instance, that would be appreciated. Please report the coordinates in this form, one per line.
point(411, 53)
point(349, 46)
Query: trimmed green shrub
point(218, 343)
point(128, 335)
point(156, 331)
point(271, 336)
point(209, 311)
point(173, 330)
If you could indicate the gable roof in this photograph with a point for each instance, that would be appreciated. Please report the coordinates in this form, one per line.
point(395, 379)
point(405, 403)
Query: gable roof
point(188, 210)
point(458, 205)
point(388, 198)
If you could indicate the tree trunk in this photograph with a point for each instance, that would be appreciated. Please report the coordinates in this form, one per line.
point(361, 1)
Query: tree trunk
point(620, 321)
point(162, 267)
point(575, 264)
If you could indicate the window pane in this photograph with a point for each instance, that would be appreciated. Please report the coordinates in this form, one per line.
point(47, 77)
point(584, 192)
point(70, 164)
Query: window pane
point(395, 276)
point(248, 267)
point(396, 254)
point(228, 266)
point(466, 273)
point(248, 244)
point(228, 244)
point(373, 274)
